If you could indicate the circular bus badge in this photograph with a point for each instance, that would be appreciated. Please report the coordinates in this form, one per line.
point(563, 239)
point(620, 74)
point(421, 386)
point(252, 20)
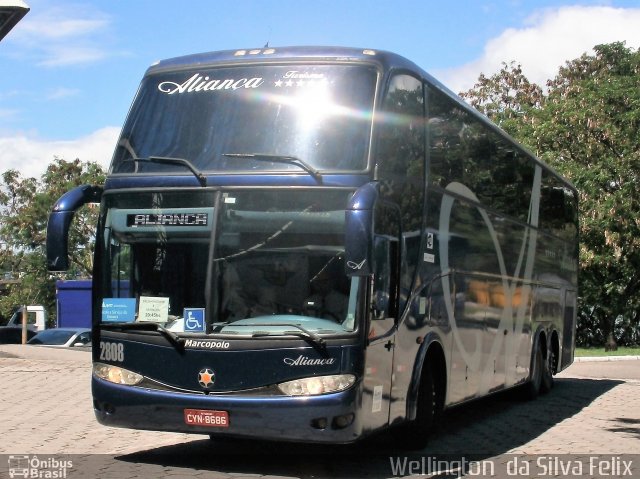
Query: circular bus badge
point(206, 377)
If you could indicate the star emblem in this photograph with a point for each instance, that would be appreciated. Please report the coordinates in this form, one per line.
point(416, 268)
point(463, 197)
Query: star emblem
point(206, 377)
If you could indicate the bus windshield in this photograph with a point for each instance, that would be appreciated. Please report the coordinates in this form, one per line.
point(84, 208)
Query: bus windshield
point(264, 262)
point(215, 117)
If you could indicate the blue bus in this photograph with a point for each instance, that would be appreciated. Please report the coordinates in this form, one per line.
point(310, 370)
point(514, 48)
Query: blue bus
point(315, 244)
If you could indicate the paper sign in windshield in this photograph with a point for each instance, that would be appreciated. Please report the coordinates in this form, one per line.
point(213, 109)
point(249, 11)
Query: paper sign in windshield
point(118, 310)
point(153, 309)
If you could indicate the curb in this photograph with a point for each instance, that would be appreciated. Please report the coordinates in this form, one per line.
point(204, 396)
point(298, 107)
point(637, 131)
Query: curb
point(593, 359)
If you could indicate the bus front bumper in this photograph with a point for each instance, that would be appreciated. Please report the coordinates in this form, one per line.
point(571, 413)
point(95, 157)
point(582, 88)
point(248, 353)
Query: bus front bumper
point(330, 418)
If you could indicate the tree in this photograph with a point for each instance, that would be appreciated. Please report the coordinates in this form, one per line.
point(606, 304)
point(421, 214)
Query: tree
point(507, 97)
point(586, 126)
point(25, 204)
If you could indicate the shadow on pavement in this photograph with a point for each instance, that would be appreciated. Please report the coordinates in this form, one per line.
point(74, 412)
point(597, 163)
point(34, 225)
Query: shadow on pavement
point(482, 429)
point(627, 425)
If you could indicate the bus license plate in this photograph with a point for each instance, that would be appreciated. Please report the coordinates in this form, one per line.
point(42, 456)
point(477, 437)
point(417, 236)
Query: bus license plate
point(206, 417)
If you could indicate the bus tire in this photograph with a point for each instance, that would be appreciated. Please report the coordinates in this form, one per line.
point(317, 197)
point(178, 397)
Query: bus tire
point(547, 372)
point(534, 385)
point(416, 434)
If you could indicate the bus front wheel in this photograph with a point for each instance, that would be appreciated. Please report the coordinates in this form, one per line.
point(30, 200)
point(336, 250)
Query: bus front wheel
point(534, 385)
point(429, 409)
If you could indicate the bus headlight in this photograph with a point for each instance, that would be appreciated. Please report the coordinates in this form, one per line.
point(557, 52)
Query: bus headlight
point(116, 374)
point(317, 385)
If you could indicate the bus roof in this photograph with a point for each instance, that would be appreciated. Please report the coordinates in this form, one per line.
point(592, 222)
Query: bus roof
point(384, 59)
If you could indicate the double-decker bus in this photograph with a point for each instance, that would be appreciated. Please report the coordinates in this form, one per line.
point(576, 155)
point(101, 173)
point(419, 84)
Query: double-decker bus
point(315, 244)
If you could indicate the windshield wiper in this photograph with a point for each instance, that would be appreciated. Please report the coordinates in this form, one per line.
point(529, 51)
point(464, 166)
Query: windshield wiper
point(172, 337)
point(166, 160)
point(301, 333)
point(289, 160)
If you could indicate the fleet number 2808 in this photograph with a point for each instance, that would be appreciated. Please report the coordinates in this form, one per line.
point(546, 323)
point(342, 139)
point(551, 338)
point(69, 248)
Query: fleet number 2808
point(111, 351)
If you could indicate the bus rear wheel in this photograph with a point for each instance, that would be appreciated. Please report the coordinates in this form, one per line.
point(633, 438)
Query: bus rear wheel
point(547, 372)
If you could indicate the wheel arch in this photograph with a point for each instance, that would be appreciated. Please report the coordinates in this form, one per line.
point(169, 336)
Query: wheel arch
point(430, 354)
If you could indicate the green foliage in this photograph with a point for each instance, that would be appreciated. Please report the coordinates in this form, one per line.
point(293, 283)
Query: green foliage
point(25, 204)
point(507, 97)
point(622, 351)
point(586, 126)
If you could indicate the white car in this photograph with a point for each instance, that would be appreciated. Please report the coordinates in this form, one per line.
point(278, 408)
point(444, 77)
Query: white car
point(62, 337)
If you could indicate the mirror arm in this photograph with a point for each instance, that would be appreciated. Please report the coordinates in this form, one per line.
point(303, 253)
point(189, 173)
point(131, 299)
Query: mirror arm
point(60, 222)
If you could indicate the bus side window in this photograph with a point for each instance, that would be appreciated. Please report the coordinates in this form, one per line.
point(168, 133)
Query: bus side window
point(400, 168)
point(401, 149)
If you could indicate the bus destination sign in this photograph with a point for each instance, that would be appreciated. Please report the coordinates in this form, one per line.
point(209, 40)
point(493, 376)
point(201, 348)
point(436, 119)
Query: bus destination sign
point(167, 219)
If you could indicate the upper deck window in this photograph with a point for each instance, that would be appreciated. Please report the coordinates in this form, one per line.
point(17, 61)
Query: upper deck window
point(320, 114)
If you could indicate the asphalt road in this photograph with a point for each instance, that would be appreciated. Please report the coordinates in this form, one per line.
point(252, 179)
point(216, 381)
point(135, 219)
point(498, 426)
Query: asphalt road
point(592, 412)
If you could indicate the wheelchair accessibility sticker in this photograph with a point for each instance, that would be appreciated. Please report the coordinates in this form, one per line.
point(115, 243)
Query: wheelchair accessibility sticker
point(194, 320)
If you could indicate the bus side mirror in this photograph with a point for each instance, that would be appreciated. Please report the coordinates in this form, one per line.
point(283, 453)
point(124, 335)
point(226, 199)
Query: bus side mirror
point(60, 221)
point(359, 231)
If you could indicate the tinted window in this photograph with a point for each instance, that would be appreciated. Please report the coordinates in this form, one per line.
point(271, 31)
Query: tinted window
point(465, 150)
point(320, 114)
point(558, 208)
point(278, 258)
point(52, 336)
point(400, 159)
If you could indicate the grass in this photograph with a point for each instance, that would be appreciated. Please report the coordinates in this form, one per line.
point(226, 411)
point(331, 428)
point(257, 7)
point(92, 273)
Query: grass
point(621, 351)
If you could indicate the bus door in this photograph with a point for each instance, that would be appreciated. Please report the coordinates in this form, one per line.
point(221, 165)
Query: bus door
point(382, 315)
